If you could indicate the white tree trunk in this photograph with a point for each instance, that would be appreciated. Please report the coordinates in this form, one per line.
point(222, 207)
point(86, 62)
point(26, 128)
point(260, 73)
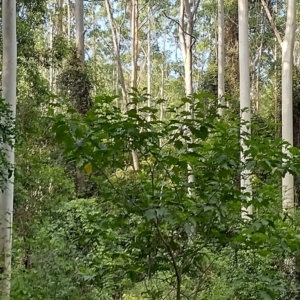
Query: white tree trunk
point(186, 44)
point(9, 66)
point(244, 96)
point(149, 61)
point(79, 28)
point(287, 98)
point(221, 56)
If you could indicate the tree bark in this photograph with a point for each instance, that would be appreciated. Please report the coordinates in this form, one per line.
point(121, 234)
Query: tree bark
point(149, 61)
point(79, 29)
point(186, 45)
point(134, 58)
point(221, 56)
point(287, 98)
point(9, 83)
point(245, 108)
point(117, 54)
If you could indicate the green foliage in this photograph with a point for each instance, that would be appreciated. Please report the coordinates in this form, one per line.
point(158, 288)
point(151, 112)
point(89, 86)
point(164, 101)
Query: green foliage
point(152, 221)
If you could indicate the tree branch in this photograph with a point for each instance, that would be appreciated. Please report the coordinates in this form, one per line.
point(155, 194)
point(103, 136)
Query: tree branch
point(272, 22)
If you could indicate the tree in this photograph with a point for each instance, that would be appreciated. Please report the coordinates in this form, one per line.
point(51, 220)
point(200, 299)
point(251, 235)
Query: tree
point(221, 55)
point(287, 98)
point(187, 41)
point(134, 60)
point(287, 47)
point(245, 108)
point(79, 30)
point(9, 83)
point(117, 52)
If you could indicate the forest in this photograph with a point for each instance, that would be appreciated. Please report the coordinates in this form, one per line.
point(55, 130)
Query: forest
point(150, 150)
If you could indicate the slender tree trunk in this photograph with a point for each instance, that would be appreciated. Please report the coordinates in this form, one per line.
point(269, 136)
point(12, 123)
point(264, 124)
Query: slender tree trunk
point(221, 56)
point(51, 71)
point(80, 176)
point(69, 20)
point(117, 54)
point(60, 17)
point(149, 61)
point(9, 67)
point(186, 45)
point(287, 98)
point(79, 29)
point(245, 107)
point(134, 57)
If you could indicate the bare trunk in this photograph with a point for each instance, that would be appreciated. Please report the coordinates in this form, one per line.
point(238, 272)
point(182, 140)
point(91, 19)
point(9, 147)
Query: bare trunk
point(134, 56)
point(51, 71)
point(149, 61)
point(221, 56)
point(117, 54)
point(245, 108)
point(79, 29)
point(9, 66)
point(287, 99)
point(186, 45)
point(80, 176)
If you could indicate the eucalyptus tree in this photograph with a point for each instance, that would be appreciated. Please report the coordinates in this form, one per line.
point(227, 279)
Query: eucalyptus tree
point(287, 98)
point(244, 99)
point(287, 47)
point(221, 55)
point(116, 45)
point(9, 86)
point(134, 60)
point(188, 10)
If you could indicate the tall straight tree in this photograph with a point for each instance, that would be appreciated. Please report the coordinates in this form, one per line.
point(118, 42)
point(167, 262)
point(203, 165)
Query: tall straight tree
point(287, 98)
point(244, 98)
point(80, 176)
point(79, 29)
point(134, 60)
point(149, 59)
point(9, 66)
point(287, 46)
point(221, 55)
point(186, 29)
point(117, 52)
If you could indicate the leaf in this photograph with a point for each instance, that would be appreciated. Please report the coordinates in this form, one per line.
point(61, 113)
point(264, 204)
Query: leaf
point(264, 252)
point(178, 144)
point(88, 168)
point(264, 295)
point(150, 214)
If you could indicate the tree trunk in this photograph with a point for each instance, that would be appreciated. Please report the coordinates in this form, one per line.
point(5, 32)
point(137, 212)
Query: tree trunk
point(134, 57)
point(149, 61)
point(9, 66)
point(117, 53)
point(186, 45)
point(80, 176)
point(79, 29)
point(221, 56)
point(51, 71)
point(245, 108)
point(287, 98)
point(69, 20)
